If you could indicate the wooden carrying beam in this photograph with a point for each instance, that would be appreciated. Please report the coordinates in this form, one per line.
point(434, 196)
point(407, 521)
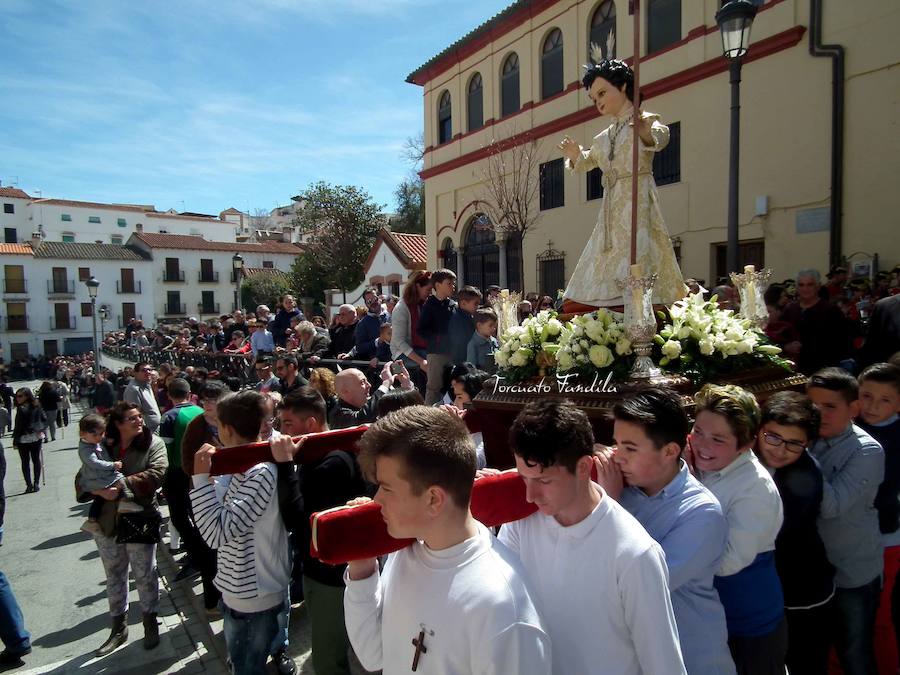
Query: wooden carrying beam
point(348, 533)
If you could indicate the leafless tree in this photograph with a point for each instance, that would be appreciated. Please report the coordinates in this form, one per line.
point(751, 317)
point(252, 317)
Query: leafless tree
point(260, 219)
point(510, 188)
point(414, 149)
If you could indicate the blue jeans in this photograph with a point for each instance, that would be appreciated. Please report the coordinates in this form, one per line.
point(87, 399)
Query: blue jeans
point(249, 638)
point(280, 642)
point(855, 625)
point(12, 626)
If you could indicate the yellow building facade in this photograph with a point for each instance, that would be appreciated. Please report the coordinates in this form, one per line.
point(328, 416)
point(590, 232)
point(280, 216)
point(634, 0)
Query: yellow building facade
point(786, 172)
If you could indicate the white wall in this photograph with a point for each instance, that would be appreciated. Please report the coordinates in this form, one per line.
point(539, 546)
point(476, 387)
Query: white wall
point(40, 303)
point(18, 220)
point(49, 215)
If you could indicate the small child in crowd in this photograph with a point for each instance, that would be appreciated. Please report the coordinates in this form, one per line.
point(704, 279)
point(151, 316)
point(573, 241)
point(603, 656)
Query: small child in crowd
point(98, 471)
point(483, 342)
point(462, 323)
point(383, 343)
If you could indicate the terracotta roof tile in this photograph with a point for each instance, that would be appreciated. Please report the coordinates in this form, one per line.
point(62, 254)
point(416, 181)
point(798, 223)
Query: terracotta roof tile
point(74, 251)
point(414, 245)
point(15, 249)
point(263, 271)
point(15, 193)
point(97, 205)
point(195, 243)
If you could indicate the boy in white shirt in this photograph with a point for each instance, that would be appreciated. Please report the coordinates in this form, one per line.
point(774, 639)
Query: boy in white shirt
point(601, 581)
point(454, 601)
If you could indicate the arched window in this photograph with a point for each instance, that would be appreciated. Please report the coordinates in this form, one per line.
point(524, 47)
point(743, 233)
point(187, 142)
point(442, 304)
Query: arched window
point(482, 255)
point(475, 103)
point(445, 127)
point(552, 64)
point(509, 86)
point(603, 29)
point(449, 256)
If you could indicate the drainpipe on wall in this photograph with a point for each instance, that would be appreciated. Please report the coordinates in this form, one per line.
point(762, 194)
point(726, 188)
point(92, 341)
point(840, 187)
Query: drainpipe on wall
point(836, 54)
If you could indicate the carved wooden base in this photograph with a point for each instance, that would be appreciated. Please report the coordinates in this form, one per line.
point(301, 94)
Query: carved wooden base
point(496, 407)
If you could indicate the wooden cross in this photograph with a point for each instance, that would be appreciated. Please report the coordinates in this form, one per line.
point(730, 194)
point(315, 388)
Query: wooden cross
point(419, 644)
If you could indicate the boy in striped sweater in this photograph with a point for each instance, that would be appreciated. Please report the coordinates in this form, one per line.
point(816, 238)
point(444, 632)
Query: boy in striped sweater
point(238, 516)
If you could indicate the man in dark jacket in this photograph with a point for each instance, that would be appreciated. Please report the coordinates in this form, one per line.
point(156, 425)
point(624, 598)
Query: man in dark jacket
point(462, 323)
point(342, 333)
point(316, 487)
point(367, 329)
point(104, 393)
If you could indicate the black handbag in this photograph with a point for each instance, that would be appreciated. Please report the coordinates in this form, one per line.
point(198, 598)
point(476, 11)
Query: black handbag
point(138, 527)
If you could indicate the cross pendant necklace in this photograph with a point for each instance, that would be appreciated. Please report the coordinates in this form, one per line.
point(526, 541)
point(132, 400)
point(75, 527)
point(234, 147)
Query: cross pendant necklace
point(419, 644)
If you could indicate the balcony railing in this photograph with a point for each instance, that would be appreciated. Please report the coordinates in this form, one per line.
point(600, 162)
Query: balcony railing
point(123, 288)
point(173, 275)
point(123, 320)
point(174, 309)
point(15, 322)
point(209, 308)
point(62, 323)
point(15, 286)
point(211, 277)
point(60, 287)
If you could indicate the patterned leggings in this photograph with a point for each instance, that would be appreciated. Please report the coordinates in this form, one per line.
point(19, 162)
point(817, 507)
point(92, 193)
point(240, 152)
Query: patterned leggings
point(116, 559)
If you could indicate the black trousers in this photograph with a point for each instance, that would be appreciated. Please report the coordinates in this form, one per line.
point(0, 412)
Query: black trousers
point(177, 485)
point(30, 453)
point(808, 643)
point(2, 488)
point(763, 655)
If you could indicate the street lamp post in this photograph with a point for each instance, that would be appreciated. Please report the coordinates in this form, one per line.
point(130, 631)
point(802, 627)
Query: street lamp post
point(734, 19)
point(104, 317)
point(237, 263)
point(93, 286)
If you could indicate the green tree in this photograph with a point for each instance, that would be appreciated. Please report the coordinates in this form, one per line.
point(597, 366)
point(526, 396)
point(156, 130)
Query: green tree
point(309, 274)
point(341, 222)
point(265, 289)
point(410, 196)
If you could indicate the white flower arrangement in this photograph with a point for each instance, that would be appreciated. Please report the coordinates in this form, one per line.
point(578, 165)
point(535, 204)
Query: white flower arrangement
point(594, 341)
point(702, 338)
point(530, 347)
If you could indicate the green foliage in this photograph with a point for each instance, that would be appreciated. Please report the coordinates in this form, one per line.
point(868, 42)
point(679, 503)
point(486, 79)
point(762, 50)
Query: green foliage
point(308, 272)
point(265, 289)
point(341, 222)
point(410, 196)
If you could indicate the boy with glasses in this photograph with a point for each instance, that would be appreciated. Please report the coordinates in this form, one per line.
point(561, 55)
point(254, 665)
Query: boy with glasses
point(790, 423)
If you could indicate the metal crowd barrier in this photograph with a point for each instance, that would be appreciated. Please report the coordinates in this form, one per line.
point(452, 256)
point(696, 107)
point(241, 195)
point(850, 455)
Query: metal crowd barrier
point(230, 365)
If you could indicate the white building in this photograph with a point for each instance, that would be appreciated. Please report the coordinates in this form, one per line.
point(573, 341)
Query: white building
point(392, 258)
point(14, 216)
point(194, 277)
point(46, 305)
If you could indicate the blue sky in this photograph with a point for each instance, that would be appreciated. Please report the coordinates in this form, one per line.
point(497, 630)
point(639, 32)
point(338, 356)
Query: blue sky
point(201, 105)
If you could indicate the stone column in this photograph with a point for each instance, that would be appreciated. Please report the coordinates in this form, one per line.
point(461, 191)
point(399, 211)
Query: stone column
point(500, 238)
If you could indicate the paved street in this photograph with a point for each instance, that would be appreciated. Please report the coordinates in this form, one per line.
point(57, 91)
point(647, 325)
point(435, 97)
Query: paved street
point(56, 574)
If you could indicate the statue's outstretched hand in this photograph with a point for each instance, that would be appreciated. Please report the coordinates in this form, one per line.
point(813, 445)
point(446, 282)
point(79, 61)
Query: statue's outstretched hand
point(570, 149)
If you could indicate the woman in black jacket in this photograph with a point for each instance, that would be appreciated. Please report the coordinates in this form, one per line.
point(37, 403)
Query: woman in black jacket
point(28, 435)
point(790, 423)
point(49, 398)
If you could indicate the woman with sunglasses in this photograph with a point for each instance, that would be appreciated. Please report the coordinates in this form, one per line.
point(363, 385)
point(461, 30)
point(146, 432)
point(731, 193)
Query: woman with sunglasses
point(28, 436)
point(144, 462)
point(790, 423)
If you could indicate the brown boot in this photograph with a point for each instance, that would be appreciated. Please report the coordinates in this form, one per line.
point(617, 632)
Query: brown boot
point(117, 637)
point(151, 631)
